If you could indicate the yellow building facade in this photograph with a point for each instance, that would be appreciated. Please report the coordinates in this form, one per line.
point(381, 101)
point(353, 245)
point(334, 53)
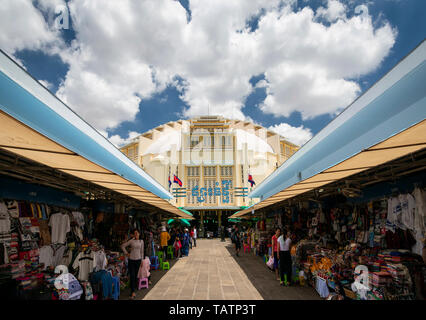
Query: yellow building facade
point(213, 158)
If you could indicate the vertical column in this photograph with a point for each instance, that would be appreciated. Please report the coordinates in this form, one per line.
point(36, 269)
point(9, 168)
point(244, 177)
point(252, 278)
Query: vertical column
point(219, 217)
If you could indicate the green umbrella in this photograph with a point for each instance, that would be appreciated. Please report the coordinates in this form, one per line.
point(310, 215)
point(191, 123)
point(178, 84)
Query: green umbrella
point(182, 221)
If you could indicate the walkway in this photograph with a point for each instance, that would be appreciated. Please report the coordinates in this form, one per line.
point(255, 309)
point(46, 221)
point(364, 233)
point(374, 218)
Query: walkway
point(213, 272)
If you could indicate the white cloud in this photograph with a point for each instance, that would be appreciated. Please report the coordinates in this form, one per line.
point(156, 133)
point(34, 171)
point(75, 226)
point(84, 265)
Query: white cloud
point(23, 27)
point(125, 51)
point(119, 141)
point(334, 11)
point(296, 135)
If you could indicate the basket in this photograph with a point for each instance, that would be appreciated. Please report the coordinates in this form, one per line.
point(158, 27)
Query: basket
point(350, 294)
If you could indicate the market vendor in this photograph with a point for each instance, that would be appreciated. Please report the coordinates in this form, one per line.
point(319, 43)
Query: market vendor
point(134, 257)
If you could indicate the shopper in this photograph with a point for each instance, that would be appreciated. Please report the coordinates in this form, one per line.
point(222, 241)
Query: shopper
point(134, 259)
point(284, 244)
point(164, 239)
point(275, 250)
point(191, 236)
point(237, 240)
point(177, 246)
point(185, 244)
point(194, 236)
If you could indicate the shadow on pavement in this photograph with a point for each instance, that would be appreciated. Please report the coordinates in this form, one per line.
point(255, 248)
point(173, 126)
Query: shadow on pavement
point(156, 276)
point(264, 280)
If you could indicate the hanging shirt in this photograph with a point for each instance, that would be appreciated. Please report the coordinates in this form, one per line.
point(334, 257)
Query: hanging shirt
point(100, 260)
point(79, 218)
point(195, 234)
point(408, 207)
point(394, 210)
point(60, 224)
point(420, 212)
point(46, 256)
point(57, 254)
point(12, 207)
point(85, 262)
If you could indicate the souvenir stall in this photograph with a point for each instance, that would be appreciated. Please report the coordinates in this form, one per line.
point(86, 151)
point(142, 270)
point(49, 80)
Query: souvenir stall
point(384, 237)
point(36, 238)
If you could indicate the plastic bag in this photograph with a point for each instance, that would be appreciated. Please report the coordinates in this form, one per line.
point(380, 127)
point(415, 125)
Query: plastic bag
point(270, 262)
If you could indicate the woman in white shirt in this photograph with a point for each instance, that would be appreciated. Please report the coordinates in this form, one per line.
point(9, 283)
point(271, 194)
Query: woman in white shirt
point(134, 259)
point(284, 244)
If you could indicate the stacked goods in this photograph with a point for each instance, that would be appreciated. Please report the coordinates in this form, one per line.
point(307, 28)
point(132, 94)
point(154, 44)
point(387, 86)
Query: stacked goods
point(381, 278)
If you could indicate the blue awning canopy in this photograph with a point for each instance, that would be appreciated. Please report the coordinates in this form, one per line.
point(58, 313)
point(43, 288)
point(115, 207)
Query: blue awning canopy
point(385, 123)
point(35, 124)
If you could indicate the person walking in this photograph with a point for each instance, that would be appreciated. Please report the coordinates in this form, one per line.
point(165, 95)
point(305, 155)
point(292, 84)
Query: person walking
point(275, 250)
point(164, 240)
point(194, 236)
point(237, 240)
point(191, 237)
point(284, 244)
point(134, 259)
point(185, 244)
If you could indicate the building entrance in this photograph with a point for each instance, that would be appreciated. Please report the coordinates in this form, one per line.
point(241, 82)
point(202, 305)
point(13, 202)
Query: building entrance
point(210, 221)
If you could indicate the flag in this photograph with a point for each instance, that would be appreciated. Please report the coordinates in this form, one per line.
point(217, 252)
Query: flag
point(170, 182)
point(250, 179)
point(177, 180)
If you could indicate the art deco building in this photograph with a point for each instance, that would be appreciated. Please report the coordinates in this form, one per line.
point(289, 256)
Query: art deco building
point(213, 158)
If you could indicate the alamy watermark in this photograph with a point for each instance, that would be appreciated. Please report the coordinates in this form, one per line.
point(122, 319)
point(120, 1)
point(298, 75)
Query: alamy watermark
point(62, 17)
point(58, 17)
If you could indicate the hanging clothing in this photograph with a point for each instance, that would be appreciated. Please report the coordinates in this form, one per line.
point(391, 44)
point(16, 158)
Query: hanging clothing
point(46, 256)
point(106, 280)
point(85, 262)
point(408, 207)
point(100, 260)
point(60, 224)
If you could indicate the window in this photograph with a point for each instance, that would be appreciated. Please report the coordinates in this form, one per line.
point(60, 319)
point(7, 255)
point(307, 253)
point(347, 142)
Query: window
point(209, 185)
point(226, 171)
point(210, 171)
point(131, 153)
point(208, 141)
point(287, 151)
point(192, 183)
point(229, 140)
point(193, 171)
point(242, 175)
point(223, 141)
point(194, 140)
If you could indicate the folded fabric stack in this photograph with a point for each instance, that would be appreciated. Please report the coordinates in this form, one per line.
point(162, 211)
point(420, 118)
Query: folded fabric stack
point(24, 283)
point(17, 269)
point(381, 278)
point(13, 249)
point(376, 266)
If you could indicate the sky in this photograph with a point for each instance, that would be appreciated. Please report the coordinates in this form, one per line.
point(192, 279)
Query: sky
point(289, 65)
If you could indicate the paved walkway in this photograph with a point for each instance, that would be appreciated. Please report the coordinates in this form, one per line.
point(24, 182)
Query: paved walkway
point(213, 272)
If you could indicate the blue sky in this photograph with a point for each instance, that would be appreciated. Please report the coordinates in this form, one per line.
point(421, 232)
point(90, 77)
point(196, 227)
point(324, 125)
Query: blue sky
point(168, 102)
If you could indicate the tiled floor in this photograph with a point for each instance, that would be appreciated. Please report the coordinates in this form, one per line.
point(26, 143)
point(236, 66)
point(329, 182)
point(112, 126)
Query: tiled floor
point(213, 272)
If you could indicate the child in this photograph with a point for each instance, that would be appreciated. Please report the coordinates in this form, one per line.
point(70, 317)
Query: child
point(177, 245)
point(144, 269)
